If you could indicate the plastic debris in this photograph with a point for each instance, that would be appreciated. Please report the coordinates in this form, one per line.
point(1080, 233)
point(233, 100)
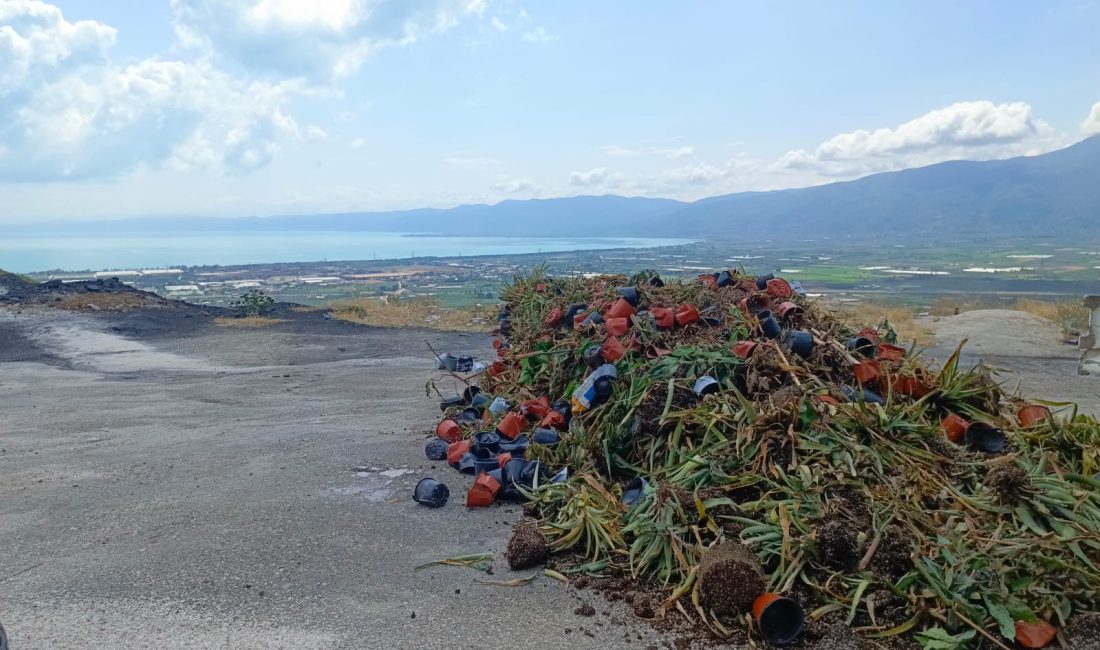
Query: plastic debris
point(431, 493)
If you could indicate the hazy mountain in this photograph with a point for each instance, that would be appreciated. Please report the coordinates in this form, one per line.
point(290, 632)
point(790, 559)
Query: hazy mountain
point(1055, 195)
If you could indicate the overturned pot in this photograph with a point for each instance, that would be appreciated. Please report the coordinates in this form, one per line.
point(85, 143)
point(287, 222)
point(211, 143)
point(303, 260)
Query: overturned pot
point(780, 619)
point(430, 492)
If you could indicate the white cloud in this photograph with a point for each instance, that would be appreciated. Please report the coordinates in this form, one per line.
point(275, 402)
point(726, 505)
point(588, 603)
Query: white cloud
point(516, 186)
point(979, 129)
point(67, 112)
point(590, 178)
point(471, 162)
point(357, 143)
point(1091, 125)
point(677, 153)
point(618, 151)
point(539, 35)
point(315, 39)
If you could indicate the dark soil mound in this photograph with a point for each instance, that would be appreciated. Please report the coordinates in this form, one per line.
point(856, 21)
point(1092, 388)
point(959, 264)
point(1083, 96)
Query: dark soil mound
point(527, 548)
point(730, 578)
point(837, 544)
point(1083, 632)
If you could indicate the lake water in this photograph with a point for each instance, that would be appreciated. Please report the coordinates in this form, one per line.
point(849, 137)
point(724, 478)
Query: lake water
point(25, 254)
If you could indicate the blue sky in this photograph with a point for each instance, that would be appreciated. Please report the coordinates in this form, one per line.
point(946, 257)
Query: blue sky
point(242, 107)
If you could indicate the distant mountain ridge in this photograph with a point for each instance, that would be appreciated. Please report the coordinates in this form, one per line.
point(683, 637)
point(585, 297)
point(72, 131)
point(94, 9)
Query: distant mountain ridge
point(1053, 194)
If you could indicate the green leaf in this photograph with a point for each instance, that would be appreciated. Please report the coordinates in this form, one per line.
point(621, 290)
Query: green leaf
point(1003, 618)
point(937, 638)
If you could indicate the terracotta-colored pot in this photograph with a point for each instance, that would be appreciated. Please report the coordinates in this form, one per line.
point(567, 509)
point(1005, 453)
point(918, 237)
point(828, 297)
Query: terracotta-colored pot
point(1034, 635)
point(536, 408)
point(1032, 414)
point(512, 425)
point(755, 304)
point(498, 367)
point(744, 349)
point(918, 385)
point(789, 313)
point(780, 619)
point(867, 372)
point(827, 399)
point(664, 317)
point(780, 289)
point(483, 492)
point(612, 350)
point(955, 427)
point(498, 344)
point(621, 309)
point(617, 326)
point(456, 450)
point(553, 317)
point(540, 287)
point(686, 315)
point(553, 420)
point(869, 333)
point(502, 459)
point(887, 352)
point(709, 280)
point(448, 430)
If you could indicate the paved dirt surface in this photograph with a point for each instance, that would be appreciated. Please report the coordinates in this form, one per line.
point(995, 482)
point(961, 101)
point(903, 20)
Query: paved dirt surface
point(197, 489)
point(167, 483)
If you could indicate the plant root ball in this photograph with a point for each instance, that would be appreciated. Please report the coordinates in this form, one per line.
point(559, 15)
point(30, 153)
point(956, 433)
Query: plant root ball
point(730, 578)
point(1008, 483)
point(837, 545)
point(527, 548)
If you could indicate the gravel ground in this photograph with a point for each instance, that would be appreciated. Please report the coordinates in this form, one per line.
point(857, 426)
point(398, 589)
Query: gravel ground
point(166, 483)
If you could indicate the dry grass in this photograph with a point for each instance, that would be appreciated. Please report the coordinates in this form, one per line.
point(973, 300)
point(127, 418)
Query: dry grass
point(902, 319)
point(103, 301)
point(305, 309)
point(421, 312)
point(247, 321)
point(1070, 315)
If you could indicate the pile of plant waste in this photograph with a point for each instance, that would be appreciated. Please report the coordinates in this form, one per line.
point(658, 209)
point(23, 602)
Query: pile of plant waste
point(869, 486)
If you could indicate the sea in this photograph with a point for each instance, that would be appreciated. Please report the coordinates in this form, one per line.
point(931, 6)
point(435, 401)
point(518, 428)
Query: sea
point(35, 253)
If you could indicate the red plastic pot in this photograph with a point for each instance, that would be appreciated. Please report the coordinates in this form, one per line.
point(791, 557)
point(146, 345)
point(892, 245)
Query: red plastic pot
point(917, 386)
point(512, 425)
point(1034, 635)
point(483, 492)
point(612, 350)
point(553, 420)
point(780, 619)
point(789, 312)
point(617, 326)
point(664, 317)
point(502, 459)
point(868, 333)
point(553, 317)
point(536, 407)
point(456, 450)
point(887, 352)
point(867, 372)
point(755, 304)
point(498, 344)
point(827, 399)
point(448, 430)
point(621, 309)
point(686, 315)
point(655, 352)
point(1032, 414)
point(780, 289)
point(744, 349)
point(955, 427)
point(498, 367)
point(709, 280)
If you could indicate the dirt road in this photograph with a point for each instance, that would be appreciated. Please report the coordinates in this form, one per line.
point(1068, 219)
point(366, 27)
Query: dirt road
point(165, 483)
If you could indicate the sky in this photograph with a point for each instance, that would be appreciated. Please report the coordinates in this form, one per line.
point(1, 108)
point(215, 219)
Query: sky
point(124, 108)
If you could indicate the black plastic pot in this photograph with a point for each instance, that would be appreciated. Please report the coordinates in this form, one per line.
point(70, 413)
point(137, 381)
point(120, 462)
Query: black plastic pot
point(781, 621)
point(985, 438)
point(571, 313)
point(3, 639)
point(469, 416)
point(547, 437)
point(431, 493)
point(769, 325)
point(801, 343)
point(656, 281)
point(713, 321)
point(863, 346)
point(487, 441)
point(762, 281)
point(862, 395)
point(481, 401)
point(485, 464)
point(724, 279)
point(512, 479)
point(603, 388)
point(505, 313)
point(593, 357)
point(630, 294)
point(593, 318)
point(634, 491)
point(452, 401)
point(470, 393)
point(517, 447)
point(532, 471)
point(436, 449)
point(467, 464)
point(705, 385)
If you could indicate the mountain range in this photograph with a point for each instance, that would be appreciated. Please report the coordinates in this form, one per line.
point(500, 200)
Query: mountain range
point(1053, 196)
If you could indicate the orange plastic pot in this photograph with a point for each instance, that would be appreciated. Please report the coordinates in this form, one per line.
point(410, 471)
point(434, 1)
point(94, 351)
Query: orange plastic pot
point(919, 385)
point(553, 317)
point(868, 333)
point(887, 352)
point(483, 492)
point(536, 407)
point(498, 344)
point(502, 459)
point(664, 317)
point(955, 427)
point(456, 450)
point(686, 315)
point(498, 367)
point(553, 420)
point(512, 425)
point(789, 312)
point(1034, 635)
point(617, 326)
point(780, 289)
point(827, 399)
point(867, 372)
point(744, 349)
point(449, 430)
point(1031, 414)
point(621, 309)
point(709, 280)
point(780, 619)
point(612, 350)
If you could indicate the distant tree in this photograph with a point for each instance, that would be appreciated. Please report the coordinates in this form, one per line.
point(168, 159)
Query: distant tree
point(253, 303)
